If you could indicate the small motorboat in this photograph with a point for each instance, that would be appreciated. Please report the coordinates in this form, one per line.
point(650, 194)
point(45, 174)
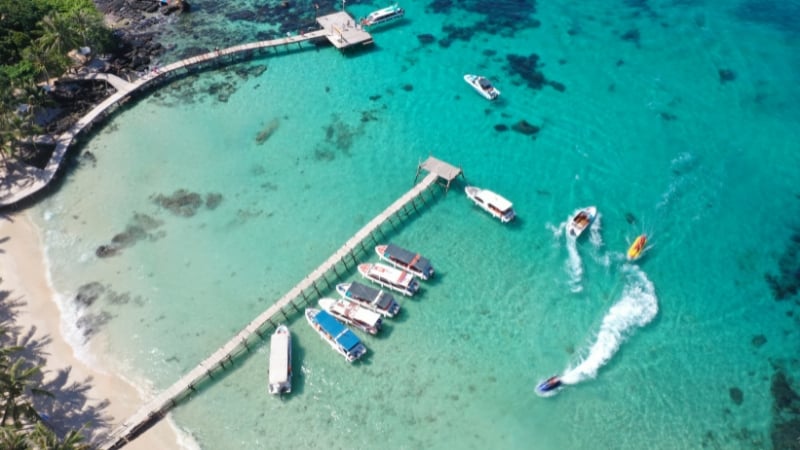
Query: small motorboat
point(549, 386)
point(637, 248)
point(581, 220)
point(483, 86)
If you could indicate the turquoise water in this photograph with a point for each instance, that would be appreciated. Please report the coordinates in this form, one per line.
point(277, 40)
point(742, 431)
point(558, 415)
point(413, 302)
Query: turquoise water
point(678, 119)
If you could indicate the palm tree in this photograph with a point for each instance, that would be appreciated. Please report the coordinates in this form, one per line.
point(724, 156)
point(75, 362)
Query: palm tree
point(13, 439)
point(16, 382)
point(43, 437)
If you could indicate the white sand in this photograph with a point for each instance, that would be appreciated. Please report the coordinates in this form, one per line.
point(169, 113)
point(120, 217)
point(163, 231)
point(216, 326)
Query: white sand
point(23, 271)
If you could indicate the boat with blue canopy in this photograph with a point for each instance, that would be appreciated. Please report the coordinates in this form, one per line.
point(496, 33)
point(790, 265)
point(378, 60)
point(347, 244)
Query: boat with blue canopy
point(340, 338)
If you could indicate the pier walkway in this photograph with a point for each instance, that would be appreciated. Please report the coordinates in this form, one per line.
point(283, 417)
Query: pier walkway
point(20, 181)
point(158, 407)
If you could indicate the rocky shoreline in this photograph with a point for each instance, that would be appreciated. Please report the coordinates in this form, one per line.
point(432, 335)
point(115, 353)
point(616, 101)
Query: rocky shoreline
point(137, 27)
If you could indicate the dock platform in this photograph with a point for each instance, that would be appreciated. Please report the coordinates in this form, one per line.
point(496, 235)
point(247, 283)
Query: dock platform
point(343, 31)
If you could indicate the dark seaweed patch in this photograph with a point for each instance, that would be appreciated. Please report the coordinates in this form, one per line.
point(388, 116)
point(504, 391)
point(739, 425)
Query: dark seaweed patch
point(426, 38)
point(140, 227)
point(726, 75)
point(501, 127)
point(737, 396)
point(527, 67)
point(786, 413)
point(526, 128)
point(759, 340)
point(786, 283)
point(632, 36)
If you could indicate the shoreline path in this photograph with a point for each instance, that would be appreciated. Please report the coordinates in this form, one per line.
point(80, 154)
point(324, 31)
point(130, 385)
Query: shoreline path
point(20, 181)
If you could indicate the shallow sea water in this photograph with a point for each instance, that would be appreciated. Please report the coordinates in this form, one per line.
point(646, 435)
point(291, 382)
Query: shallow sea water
point(676, 119)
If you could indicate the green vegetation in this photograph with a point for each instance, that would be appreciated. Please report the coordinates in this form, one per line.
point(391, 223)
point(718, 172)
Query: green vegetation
point(35, 39)
point(21, 427)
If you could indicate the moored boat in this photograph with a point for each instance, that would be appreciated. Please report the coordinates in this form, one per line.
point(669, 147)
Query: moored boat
point(383, 15)
point(581, 220)
point(280, 361)
point(340, 338)
point(493, 203)
point(390, 277)
point(406, 260)
point(373, 299)
point(482, 85)
point(353, 314)
point(549, 387)
point(636, 249)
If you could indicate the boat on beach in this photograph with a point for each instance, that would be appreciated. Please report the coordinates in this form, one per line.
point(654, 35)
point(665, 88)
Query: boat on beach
point(493, 203)
point(383, 15)
point(340, 338)
point(352, 314)
point(581, 220)
point(280, 361)
point(390, 278)
point(372, 299)
point(405, 260)
point(482, 85)
point(637, 248)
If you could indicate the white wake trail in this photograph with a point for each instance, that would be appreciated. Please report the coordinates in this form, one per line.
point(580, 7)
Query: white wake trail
point(637, 307)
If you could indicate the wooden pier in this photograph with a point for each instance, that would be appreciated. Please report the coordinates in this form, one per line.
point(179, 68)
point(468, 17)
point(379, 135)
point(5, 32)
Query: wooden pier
point(307, 290)
point(338, 28)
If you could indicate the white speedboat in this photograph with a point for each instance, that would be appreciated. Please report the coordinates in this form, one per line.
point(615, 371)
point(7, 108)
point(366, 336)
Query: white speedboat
point(581, 220)
point(280, 361)
point(493, 203)
point(353, 314)
point(337, 335)
point(483, 86)
point(390, 278)
point(383, 15)
point(373, 299)
point(406, 260)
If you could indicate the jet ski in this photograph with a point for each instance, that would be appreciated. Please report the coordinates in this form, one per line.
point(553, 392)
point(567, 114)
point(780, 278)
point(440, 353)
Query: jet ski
point(549, 386)
point(636, 249)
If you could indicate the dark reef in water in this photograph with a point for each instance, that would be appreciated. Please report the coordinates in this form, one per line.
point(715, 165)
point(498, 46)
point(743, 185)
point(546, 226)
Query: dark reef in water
point(782, 15)
point(527, 67)
point(501, 18)
point(139, 228)
point(632, 36)
point(786, 283)
point(426, 38)
point(89, 294)
point(526, 128)
point(785, 413)
point(726, 75)
point(737, 396)
point(186, 203)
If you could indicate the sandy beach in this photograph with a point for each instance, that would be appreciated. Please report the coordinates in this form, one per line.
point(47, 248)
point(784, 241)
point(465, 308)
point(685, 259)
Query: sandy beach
point(83, 394)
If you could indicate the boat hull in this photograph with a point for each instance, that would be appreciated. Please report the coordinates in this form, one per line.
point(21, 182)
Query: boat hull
point(487, 91)
point(353, 314)
point(580, 221)
point(343, 341)
point(373, 299)
point(494, 204)
point(384, 252)
point(548, 387)
point(280, 361)
point(389, 277)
